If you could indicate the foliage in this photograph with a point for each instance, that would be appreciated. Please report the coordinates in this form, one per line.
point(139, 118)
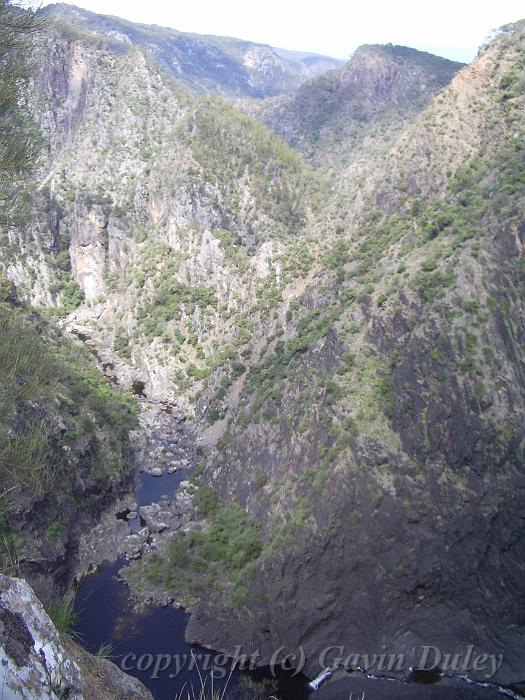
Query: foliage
point(72, 296)
point(233, 148)
point(28, 373)
point(45, 380)
point(274, 368)
point(121, 344)
point(63, 615)
point(171, 299)
point(211, 562)
point(19, 141)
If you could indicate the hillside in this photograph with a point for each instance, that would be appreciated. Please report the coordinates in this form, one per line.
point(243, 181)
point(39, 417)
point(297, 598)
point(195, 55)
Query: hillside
point(65, 449)
point(160, 221)
point(377, 440)
point(341, 322)
point(204, 64)
point(359, 108)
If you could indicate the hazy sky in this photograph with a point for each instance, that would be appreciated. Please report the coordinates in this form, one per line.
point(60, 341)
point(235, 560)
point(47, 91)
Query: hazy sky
point(451, 28)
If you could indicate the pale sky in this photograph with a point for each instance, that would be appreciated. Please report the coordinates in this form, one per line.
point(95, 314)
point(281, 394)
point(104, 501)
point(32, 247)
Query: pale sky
point(451, 28)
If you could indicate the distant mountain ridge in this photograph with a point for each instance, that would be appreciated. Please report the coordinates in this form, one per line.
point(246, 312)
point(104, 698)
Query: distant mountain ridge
point(376, 93)
point(205, 64)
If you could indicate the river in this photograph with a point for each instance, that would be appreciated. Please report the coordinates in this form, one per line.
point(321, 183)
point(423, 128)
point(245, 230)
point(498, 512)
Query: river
point(149, 643)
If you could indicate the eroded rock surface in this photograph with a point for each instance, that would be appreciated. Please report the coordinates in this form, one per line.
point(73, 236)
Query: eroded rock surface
point(34, 664)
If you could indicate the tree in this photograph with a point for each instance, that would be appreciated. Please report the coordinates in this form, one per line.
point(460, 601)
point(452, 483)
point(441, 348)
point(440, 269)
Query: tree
point(19, 140)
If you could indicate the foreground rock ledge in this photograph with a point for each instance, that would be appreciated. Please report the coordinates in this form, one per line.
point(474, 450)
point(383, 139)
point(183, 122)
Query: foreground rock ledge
point(36, 663)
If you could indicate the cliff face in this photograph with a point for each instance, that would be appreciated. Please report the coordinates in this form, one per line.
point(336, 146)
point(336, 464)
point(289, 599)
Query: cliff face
point(353, 350)
point(388, 421)
point(160, 221)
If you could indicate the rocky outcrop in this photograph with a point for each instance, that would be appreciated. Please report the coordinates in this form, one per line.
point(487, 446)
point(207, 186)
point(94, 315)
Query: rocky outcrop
point(388, 428)
point(36, 664)
point(354, 686)
point(102, 679)
point(357, 357)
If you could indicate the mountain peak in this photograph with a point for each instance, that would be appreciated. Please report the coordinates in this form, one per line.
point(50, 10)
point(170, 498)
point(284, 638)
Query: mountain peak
point(381, 86)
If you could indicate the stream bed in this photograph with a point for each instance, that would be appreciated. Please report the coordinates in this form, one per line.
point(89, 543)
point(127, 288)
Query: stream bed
point(148, 642)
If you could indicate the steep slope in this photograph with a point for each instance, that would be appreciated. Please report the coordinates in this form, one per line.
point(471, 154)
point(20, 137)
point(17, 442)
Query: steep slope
point(377, 445)
point(160, 221)
point(359, 107)
point(64, 443)
point(205, 64)
point(356, 357)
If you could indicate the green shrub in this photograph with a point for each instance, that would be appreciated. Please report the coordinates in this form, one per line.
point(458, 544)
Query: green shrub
point(72, 296)
point(45, 380)
point(63, 615)
point(225, 552)
point(121, 344)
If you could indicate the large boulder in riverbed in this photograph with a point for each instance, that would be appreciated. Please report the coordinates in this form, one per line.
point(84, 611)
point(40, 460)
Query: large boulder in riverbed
point(156, 517)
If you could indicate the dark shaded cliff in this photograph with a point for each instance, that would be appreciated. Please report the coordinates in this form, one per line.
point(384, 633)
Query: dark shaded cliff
point(352, 349)
point(387, 420)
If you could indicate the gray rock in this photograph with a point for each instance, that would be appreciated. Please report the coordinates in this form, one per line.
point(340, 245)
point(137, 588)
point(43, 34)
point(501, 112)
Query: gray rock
point(34, 664)
point(157, 518)
point(343, 688)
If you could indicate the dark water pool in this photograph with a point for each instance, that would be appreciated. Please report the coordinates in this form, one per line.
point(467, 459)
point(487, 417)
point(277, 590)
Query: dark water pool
point(151, 488)
point(150, 645)
point(105, 617)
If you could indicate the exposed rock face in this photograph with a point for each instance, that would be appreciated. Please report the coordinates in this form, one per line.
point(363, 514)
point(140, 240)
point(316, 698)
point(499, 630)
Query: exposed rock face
point(88, 256)
point(398, 529)
point(220, 65)
point(357, 357)
point(168, 252)
point(34, 664)
point(343, 688)
point(102, 679)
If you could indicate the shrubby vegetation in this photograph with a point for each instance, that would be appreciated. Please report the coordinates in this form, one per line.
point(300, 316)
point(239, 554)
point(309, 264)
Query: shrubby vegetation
point(56, 409)
point(235, 150)
point(19, 138)
point(214, 562)
point(264, 379)
point(27, 373)
point(170, 299)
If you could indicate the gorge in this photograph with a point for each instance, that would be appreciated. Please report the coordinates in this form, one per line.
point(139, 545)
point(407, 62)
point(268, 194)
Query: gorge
point(293, 289)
